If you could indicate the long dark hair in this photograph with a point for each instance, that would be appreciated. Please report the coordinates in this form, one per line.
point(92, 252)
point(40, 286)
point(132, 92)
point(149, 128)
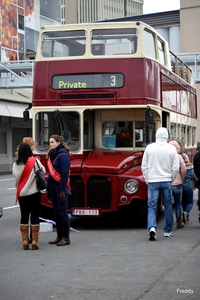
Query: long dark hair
point(24, 153)
point(58, 138)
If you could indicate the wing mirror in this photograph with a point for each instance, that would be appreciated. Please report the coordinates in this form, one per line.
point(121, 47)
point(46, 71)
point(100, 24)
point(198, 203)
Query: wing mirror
point(26, 113)
point(149, 117)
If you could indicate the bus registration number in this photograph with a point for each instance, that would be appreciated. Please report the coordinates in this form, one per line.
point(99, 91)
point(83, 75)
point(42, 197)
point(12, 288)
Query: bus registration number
point(85, 212)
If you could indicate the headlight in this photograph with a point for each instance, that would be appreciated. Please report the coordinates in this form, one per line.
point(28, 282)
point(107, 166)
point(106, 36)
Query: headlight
point(131, 186)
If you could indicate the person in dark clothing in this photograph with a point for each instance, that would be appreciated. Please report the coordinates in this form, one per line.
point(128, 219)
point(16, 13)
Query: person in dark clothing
point(196, 163)
point(58, 187)
point(188, 190)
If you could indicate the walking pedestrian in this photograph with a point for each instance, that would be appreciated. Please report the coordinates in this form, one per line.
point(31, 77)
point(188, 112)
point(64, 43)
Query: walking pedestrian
point(188, 190)
point(160, 166)
point(177, 185)
point(58, 187)
point(196, 163)
point(27, 193)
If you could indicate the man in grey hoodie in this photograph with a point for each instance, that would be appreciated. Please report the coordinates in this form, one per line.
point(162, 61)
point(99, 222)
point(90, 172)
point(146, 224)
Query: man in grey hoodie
point(160, 166)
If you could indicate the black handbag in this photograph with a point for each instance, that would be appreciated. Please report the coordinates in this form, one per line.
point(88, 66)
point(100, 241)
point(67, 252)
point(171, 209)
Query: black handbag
point(40, 180)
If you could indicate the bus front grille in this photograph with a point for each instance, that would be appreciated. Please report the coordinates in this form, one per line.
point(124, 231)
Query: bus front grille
point(98, 193)
point(76, 199)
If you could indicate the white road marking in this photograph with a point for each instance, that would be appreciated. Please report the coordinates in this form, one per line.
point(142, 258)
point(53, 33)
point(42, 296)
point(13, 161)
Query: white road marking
point(7, 179)
point(9, 207)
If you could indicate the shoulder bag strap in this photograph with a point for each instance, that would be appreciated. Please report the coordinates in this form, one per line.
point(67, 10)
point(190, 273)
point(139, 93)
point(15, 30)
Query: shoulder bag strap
point(37, 165)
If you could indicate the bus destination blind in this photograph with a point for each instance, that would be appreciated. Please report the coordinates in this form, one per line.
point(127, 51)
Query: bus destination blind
point(87, 81)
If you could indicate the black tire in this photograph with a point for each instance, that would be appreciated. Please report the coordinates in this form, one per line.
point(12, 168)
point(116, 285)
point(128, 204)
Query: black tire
point(142, 214)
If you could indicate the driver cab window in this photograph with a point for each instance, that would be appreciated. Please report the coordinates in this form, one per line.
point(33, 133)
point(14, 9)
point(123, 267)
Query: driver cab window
point(117, 134)
point(144, 134)
point(124, 134)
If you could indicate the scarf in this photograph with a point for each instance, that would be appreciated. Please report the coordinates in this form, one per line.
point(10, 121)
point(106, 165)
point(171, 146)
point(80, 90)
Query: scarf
point(56, 176)
point(25, 175)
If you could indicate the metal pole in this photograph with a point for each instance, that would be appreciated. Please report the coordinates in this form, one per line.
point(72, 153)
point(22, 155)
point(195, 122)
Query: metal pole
point(125, 12)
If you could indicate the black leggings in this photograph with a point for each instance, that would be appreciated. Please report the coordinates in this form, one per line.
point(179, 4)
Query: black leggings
point(30, 206)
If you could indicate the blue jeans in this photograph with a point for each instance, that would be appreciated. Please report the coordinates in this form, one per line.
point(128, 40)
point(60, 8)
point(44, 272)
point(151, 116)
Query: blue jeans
point(187, 199)
point(154, 190)
point(59, 207)
point(177, 191)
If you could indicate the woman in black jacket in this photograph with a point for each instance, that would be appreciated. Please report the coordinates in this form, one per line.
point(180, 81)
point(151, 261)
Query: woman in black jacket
point(58, 187)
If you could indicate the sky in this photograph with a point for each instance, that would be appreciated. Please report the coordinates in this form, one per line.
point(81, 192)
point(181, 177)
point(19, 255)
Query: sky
point(153, 6)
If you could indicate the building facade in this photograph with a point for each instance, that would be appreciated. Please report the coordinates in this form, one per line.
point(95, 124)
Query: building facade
point(82, 11)
point(20, 24)
point(190, 42)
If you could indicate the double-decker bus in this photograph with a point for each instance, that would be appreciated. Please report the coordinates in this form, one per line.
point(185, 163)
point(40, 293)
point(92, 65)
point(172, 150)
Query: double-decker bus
point(106, 88)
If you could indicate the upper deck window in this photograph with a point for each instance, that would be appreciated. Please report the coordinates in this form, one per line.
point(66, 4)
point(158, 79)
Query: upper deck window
point(118, 41)
point(149, 44)
point(63, 43)
point(161, 50)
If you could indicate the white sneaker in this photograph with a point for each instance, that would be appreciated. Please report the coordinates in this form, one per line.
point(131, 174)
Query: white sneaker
point(168, 234)
point(152, 234)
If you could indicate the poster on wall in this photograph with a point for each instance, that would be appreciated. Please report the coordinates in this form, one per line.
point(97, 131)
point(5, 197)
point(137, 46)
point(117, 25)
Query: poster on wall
point(32, 14)
point(9, 34)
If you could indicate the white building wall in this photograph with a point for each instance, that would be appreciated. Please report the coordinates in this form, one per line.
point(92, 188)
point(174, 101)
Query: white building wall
point(164, 32)
point(174, 39)
point(96, 10)
point(172, 36)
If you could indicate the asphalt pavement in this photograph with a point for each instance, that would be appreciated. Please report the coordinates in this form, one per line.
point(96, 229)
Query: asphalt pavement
point(107, 259)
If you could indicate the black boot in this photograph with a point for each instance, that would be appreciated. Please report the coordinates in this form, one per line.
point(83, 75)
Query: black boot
point(65, 235)
point(59, 234)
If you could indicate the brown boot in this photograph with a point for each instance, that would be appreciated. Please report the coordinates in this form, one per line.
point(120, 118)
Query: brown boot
point(24, 233)
point(179, 223)
point(65, 235)
point(35, 232)
point(59, 234)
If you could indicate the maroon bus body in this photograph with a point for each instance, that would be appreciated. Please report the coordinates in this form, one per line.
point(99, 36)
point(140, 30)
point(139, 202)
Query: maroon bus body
point(146, 83)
